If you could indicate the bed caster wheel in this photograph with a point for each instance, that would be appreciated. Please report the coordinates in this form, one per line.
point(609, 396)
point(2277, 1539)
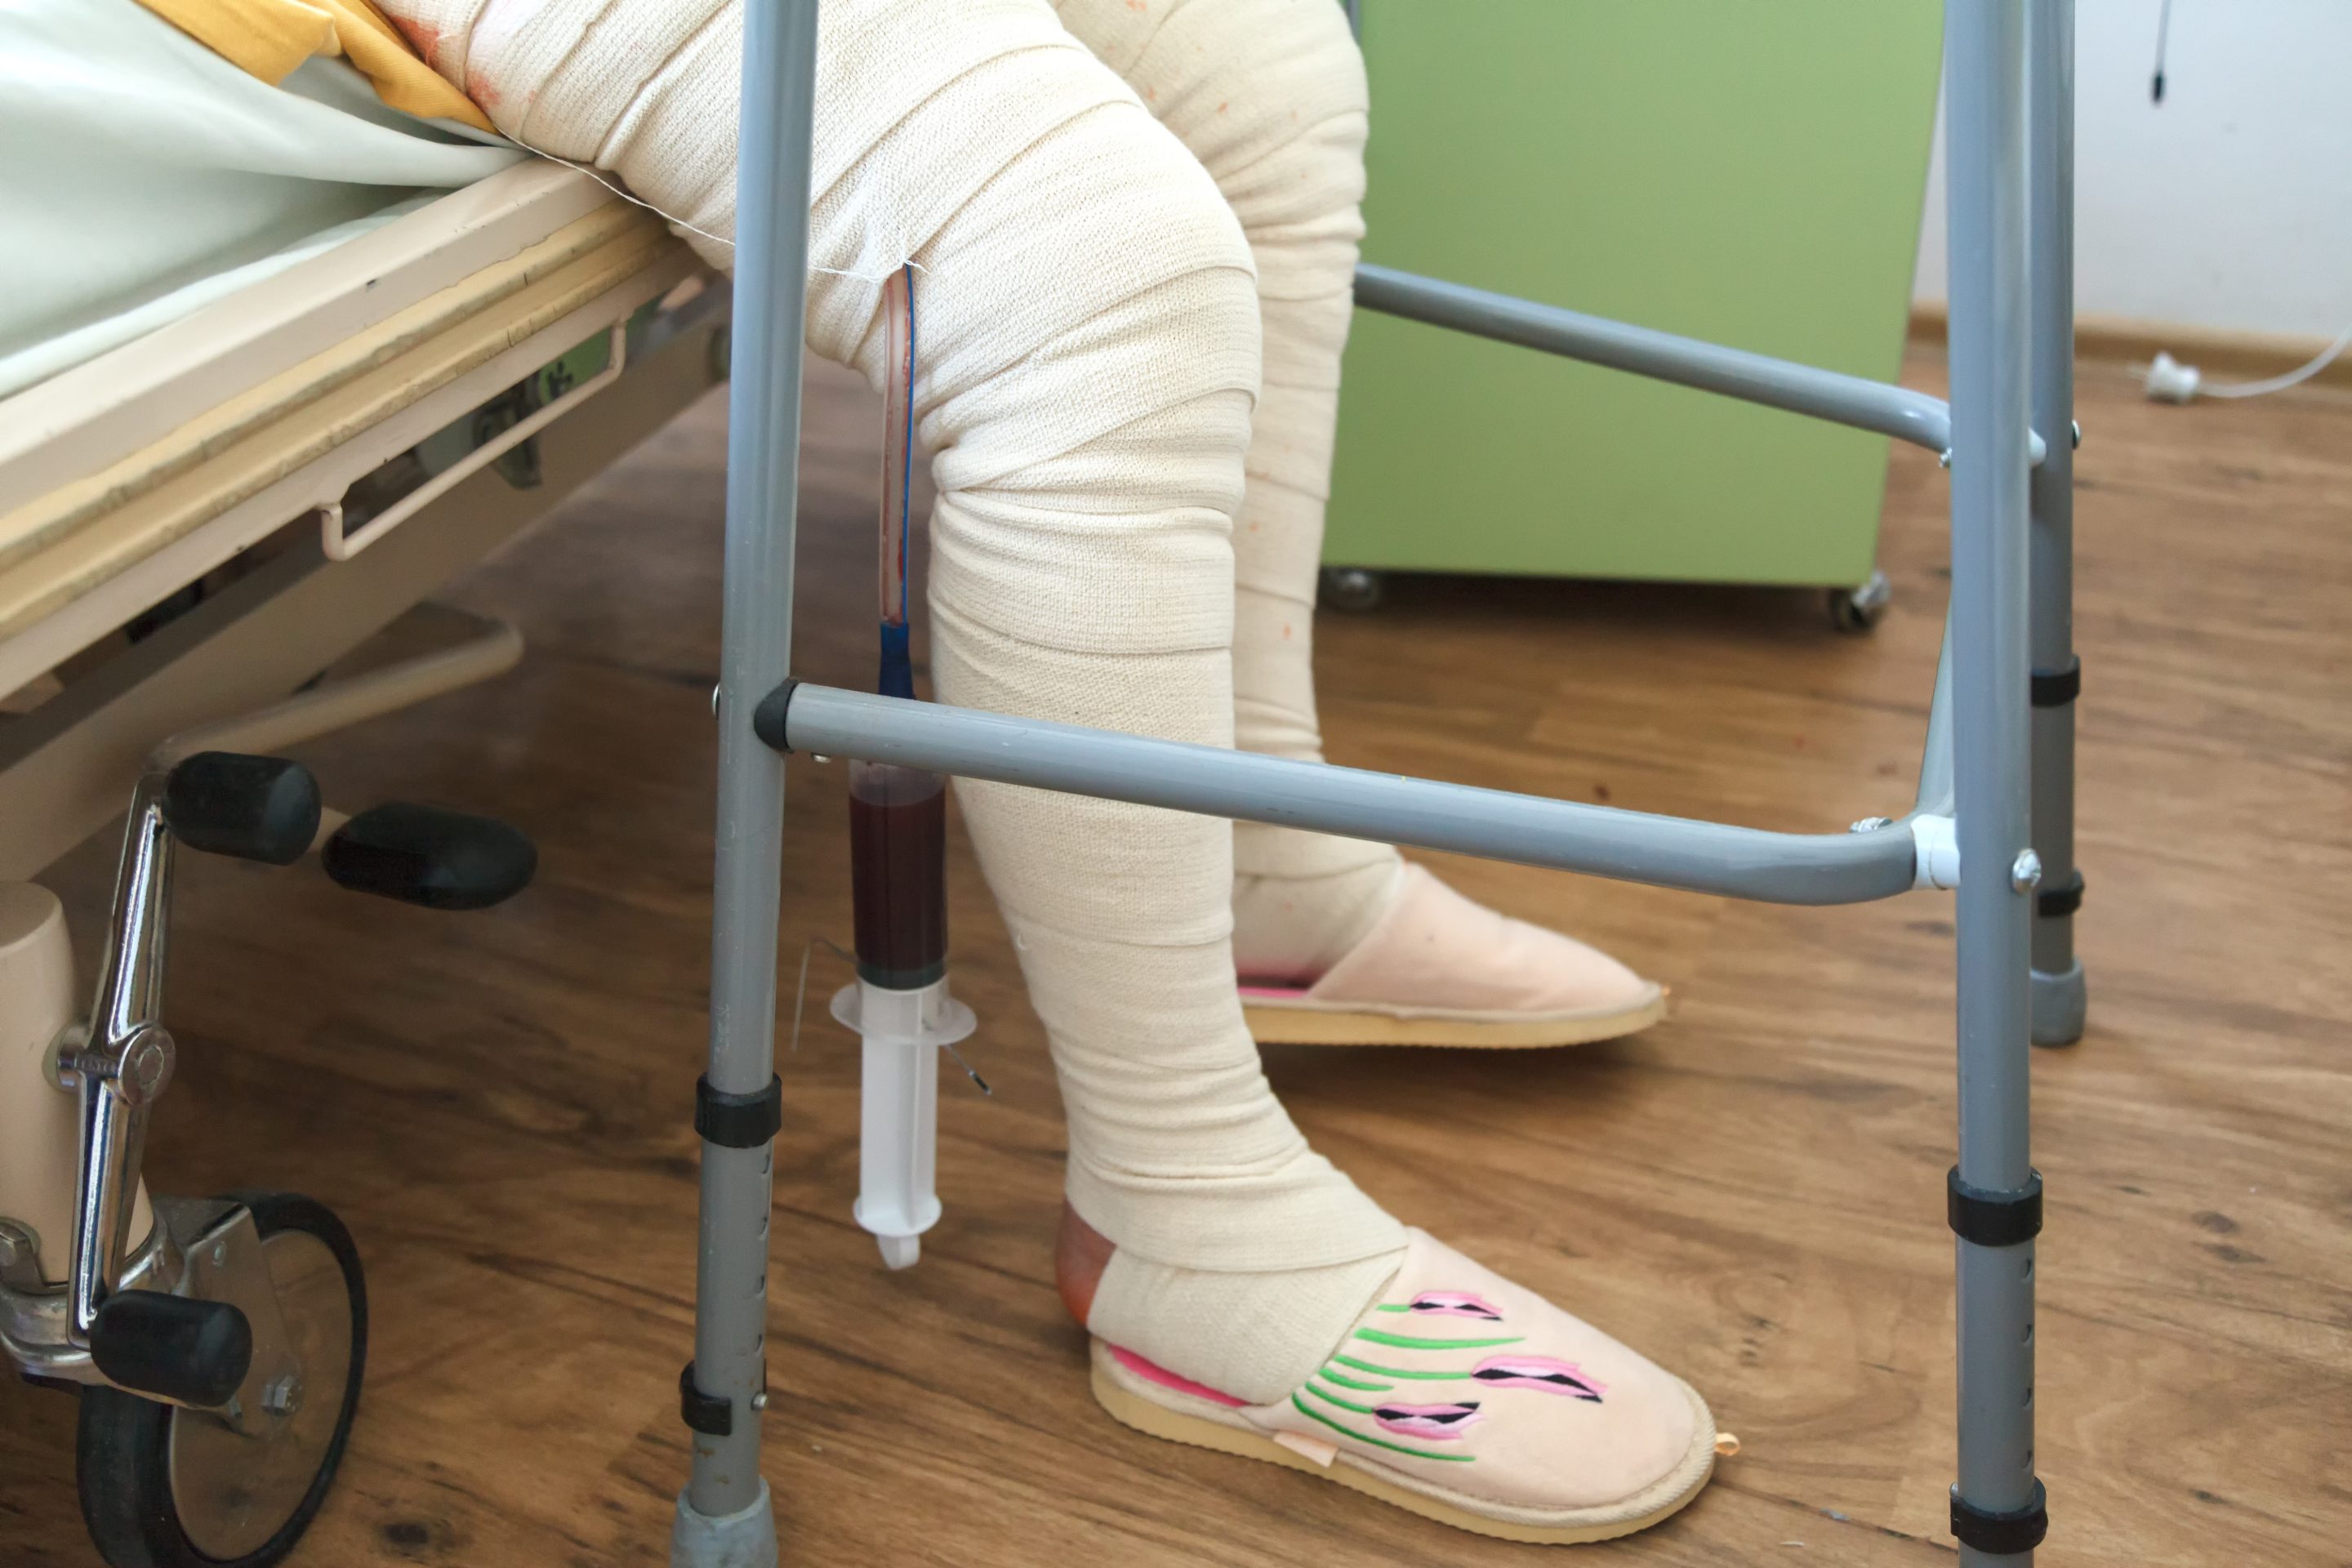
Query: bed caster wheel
point(169, 1486)
point(1351, 588)
point(1859, 609)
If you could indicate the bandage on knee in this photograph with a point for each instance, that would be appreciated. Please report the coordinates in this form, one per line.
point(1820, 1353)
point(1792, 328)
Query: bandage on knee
point(1270, 95)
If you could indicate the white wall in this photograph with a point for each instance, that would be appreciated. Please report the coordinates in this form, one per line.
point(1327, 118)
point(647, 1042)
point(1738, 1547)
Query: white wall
point(2228, 205)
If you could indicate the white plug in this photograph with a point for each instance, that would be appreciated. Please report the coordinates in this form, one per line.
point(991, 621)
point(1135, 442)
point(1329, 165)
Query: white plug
point(2169, 381)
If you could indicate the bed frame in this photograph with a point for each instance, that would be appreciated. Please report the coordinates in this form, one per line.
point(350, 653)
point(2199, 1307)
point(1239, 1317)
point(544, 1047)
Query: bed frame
point(529, 328)
point(193, 529)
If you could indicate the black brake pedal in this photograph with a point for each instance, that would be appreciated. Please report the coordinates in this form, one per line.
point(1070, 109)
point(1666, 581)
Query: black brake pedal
point(254, 809)
point(434, 859)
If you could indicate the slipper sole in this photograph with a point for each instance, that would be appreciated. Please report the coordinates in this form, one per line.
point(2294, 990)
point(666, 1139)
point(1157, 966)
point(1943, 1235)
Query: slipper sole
point(1274, 1023)
point(1131, 1409)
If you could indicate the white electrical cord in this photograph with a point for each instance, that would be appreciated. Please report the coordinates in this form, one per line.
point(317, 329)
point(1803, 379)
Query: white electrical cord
point(2169, 381)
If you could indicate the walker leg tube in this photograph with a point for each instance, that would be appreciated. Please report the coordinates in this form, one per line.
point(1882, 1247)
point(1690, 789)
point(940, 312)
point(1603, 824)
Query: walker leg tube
point(1935, 752)
point(724, 1518)
point(1997, 1505)
point(2059, 999)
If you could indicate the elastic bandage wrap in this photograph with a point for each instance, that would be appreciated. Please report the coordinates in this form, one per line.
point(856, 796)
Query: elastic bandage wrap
point(1089, 364)
point(1278, 117)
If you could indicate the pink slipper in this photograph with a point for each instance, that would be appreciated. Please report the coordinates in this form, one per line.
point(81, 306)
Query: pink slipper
point(1440, 970)
point(1465, 1399)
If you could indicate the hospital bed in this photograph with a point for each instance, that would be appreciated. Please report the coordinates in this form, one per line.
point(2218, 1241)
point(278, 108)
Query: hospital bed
point(193, 526)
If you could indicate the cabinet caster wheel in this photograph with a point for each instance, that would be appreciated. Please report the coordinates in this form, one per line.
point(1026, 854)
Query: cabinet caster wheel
point(163, 1486)
point(1858, 609)
point(1351, 588)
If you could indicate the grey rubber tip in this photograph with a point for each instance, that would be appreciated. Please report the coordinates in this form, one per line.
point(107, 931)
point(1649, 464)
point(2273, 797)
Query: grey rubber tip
point(2060, 1003)
point(744, 1538)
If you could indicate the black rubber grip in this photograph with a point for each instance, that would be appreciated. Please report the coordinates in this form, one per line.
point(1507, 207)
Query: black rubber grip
point(1992, 1217)
point(255, 808)
point(2058, 900)
point(706, 1413)
point(2002, 1534)
point(438, 859)
point(768, 717)
point(2057, 687)
point(195, 1352)
point(739, 1121)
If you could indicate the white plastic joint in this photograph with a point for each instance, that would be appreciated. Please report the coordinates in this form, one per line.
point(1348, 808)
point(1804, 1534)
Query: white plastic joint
point(1936, 853)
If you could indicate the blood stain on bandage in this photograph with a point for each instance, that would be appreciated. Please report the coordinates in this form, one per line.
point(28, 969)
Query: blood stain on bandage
point(424, 37)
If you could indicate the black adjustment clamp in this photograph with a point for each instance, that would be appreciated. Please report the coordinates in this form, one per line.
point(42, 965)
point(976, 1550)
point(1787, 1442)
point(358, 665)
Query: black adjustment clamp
point(715, 1417)
point(2001, 1534)
point(1993, 1217)
point(2057, 687)
point(2057, 900)
point(768, 717)
point(739, 1121)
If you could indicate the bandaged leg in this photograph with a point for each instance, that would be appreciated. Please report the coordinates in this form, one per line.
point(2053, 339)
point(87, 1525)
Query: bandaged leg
point(1269, 95)
point(1089, 356)
point(1337, 940)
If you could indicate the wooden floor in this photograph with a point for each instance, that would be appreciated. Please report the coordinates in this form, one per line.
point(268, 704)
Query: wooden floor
point(1752, 1192)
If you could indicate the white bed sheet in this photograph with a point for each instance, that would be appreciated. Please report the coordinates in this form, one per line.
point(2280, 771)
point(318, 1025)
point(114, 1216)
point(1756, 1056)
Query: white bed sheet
point(143, 176)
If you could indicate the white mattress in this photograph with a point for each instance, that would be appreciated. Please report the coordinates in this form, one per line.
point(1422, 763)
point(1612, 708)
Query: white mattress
point(143, 176)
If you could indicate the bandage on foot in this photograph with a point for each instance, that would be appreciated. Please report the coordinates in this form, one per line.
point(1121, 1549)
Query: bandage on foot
point(1463, 1398)
point(1438, 969)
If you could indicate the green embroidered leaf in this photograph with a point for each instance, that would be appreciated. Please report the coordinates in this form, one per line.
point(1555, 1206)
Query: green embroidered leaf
point(1335, 1399)
point(1398, 1371)
point(1328, 1375)
point(1406, 1342)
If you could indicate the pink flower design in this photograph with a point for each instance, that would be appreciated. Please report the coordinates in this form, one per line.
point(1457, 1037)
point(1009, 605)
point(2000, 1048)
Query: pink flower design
point(1538, 1372)
point(1431, 1423)
point(1454, 1304)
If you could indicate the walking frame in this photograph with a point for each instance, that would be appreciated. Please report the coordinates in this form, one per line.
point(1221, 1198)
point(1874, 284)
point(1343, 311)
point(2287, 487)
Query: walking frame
point(1996, 783)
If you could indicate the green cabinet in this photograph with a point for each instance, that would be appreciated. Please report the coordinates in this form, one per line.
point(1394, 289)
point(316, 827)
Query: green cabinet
point(1745, 172)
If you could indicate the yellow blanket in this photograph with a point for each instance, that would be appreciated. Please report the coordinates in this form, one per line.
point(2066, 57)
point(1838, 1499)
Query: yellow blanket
point(269, 37)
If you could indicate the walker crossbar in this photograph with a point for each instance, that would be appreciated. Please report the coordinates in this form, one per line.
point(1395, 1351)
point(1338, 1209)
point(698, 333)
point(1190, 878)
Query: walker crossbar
point(1842, 399)
point(2010, 336)
point(1605, 841)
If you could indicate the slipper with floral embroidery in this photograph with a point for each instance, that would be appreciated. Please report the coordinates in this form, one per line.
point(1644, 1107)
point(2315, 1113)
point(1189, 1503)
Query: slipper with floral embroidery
point(1438, 969)
point(1466, 1399)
